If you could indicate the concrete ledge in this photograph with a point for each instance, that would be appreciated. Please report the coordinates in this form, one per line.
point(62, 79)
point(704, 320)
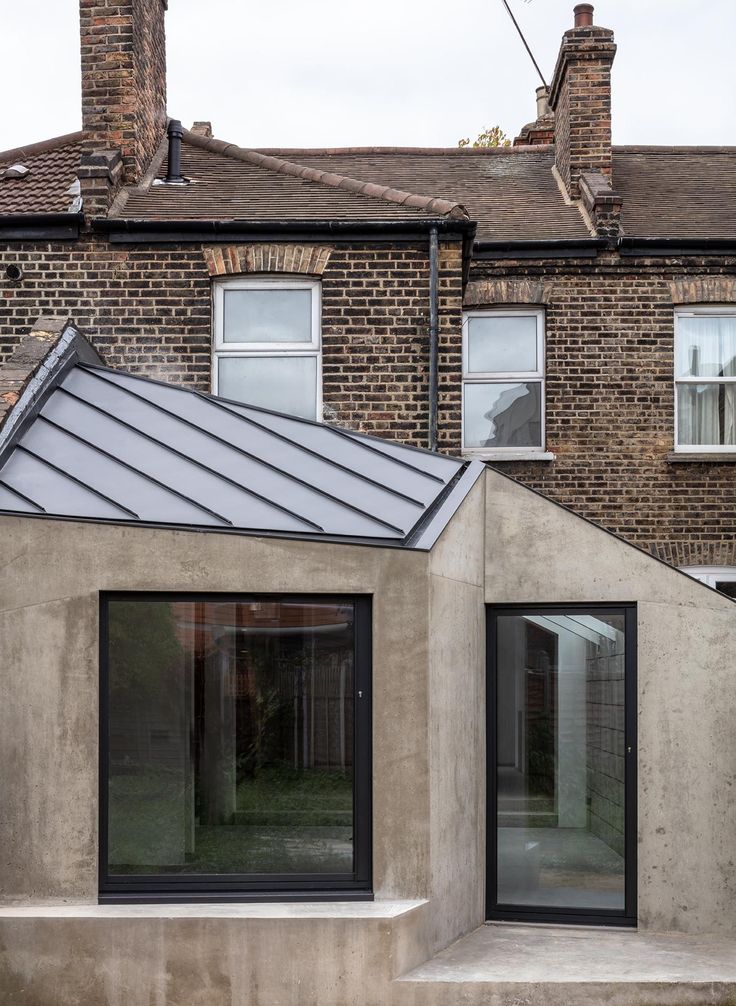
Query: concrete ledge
point(279, 911)
point(556, 966)
point(329, 954)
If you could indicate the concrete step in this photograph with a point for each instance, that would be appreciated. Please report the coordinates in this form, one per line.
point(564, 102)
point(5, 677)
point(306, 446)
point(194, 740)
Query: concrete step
point(517, 965)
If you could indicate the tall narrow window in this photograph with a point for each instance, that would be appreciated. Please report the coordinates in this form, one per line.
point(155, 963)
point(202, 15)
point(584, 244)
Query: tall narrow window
point(267, 344)
point(562, 830)
point(503, 382)
point(705, 380)
point(235, 746)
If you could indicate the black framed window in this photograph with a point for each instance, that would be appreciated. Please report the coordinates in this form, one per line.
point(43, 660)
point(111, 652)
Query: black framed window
point(562, 764)
point(235, 747)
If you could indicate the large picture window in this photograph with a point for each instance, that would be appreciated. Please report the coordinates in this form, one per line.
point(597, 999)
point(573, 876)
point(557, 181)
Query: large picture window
point(705, 380)
point(235, 746)
point(267, 344)
point(503, 382)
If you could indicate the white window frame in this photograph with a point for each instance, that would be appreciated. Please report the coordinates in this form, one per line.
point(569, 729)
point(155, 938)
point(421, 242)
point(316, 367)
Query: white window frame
point(711, 575)
point(719, 310)
point(241, 350)
point(537, 376)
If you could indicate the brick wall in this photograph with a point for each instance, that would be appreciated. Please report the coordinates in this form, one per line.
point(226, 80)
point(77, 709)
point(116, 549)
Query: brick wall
point(124, 78)
point(610, 359)
point(149, 310)
point(610, 402)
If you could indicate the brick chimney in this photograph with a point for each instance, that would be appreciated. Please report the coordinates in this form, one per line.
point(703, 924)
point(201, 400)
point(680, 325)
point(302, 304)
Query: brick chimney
point(124, 79)
point(580, 97)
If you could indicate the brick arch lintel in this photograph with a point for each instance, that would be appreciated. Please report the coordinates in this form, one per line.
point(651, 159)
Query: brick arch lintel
point(697, 553)
point(705, 290)
point(231, 260)
point(488, 292)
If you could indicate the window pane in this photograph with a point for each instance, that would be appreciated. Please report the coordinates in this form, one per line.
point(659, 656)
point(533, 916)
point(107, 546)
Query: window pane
point(267, 316)
point(502, 345)
point(706, 346)
point(706, 414)
point(727, 587)
point(283, 383)
point(561, 771)
point(503, 415)
point(231, 737)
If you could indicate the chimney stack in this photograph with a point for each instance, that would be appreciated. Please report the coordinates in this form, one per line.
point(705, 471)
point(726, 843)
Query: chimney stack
point(123, 79)
point(580, 96)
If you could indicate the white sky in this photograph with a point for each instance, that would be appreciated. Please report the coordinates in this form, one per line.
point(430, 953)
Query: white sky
point(393, 72)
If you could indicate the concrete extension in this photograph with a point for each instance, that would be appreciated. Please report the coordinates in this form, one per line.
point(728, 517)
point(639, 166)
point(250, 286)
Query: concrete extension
point(537, 552)
point(58, 948)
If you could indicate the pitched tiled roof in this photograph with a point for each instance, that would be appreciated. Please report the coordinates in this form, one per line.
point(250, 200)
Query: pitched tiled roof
point(231, 183)
point(677, 192)
point(52, 168)
point(511, 192)
point(668, 192)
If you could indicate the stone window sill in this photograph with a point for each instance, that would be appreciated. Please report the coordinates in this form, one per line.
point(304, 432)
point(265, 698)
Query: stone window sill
point(234, 910)
point(715, 458)
point(510, 456)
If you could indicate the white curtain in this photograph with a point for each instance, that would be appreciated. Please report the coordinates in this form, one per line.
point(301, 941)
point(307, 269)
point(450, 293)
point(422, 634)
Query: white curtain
point(706, 347)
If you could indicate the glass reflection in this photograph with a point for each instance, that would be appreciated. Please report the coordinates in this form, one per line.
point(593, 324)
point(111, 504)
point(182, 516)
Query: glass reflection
point(230, 737)
point(503, 415)
point(561, 760)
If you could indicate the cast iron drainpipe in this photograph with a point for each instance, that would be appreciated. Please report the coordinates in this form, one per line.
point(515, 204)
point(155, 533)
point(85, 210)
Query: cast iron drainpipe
point(434, 315)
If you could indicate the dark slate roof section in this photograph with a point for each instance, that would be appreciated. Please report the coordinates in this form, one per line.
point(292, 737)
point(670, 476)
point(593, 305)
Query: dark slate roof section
point(230, 183)
point(677, 192)
point(109, 446)
point(51, 176)
point(511, 192)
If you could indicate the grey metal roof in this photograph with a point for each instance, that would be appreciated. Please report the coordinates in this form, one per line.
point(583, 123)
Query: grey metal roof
point(108, 446)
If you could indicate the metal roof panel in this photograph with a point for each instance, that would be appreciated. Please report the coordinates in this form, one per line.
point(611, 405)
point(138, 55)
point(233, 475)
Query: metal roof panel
point(106, 445)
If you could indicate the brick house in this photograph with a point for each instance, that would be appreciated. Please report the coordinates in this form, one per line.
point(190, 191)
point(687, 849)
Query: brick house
point(248, 627)
point(610, 264)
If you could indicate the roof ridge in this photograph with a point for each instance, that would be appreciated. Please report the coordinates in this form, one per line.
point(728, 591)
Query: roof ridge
point(459, 151)
point(30, 149)
point(639, 148)
point(430, 204)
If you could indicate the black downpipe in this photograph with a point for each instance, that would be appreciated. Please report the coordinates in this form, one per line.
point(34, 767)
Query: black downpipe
point(173, 174)
point(434, 327)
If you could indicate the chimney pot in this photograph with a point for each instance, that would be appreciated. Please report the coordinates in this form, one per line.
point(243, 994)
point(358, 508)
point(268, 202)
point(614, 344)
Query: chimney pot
point(542, 102)
point(584, 15)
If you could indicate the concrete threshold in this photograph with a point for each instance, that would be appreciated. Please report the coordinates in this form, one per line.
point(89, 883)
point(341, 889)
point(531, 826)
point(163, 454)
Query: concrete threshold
point(519, 965)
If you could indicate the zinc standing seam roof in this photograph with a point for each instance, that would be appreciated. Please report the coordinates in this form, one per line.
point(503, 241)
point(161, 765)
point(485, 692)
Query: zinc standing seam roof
point(109, 446)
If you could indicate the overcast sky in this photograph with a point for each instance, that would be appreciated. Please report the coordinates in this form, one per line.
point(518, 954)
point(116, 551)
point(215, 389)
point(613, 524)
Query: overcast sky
point(384, 72)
